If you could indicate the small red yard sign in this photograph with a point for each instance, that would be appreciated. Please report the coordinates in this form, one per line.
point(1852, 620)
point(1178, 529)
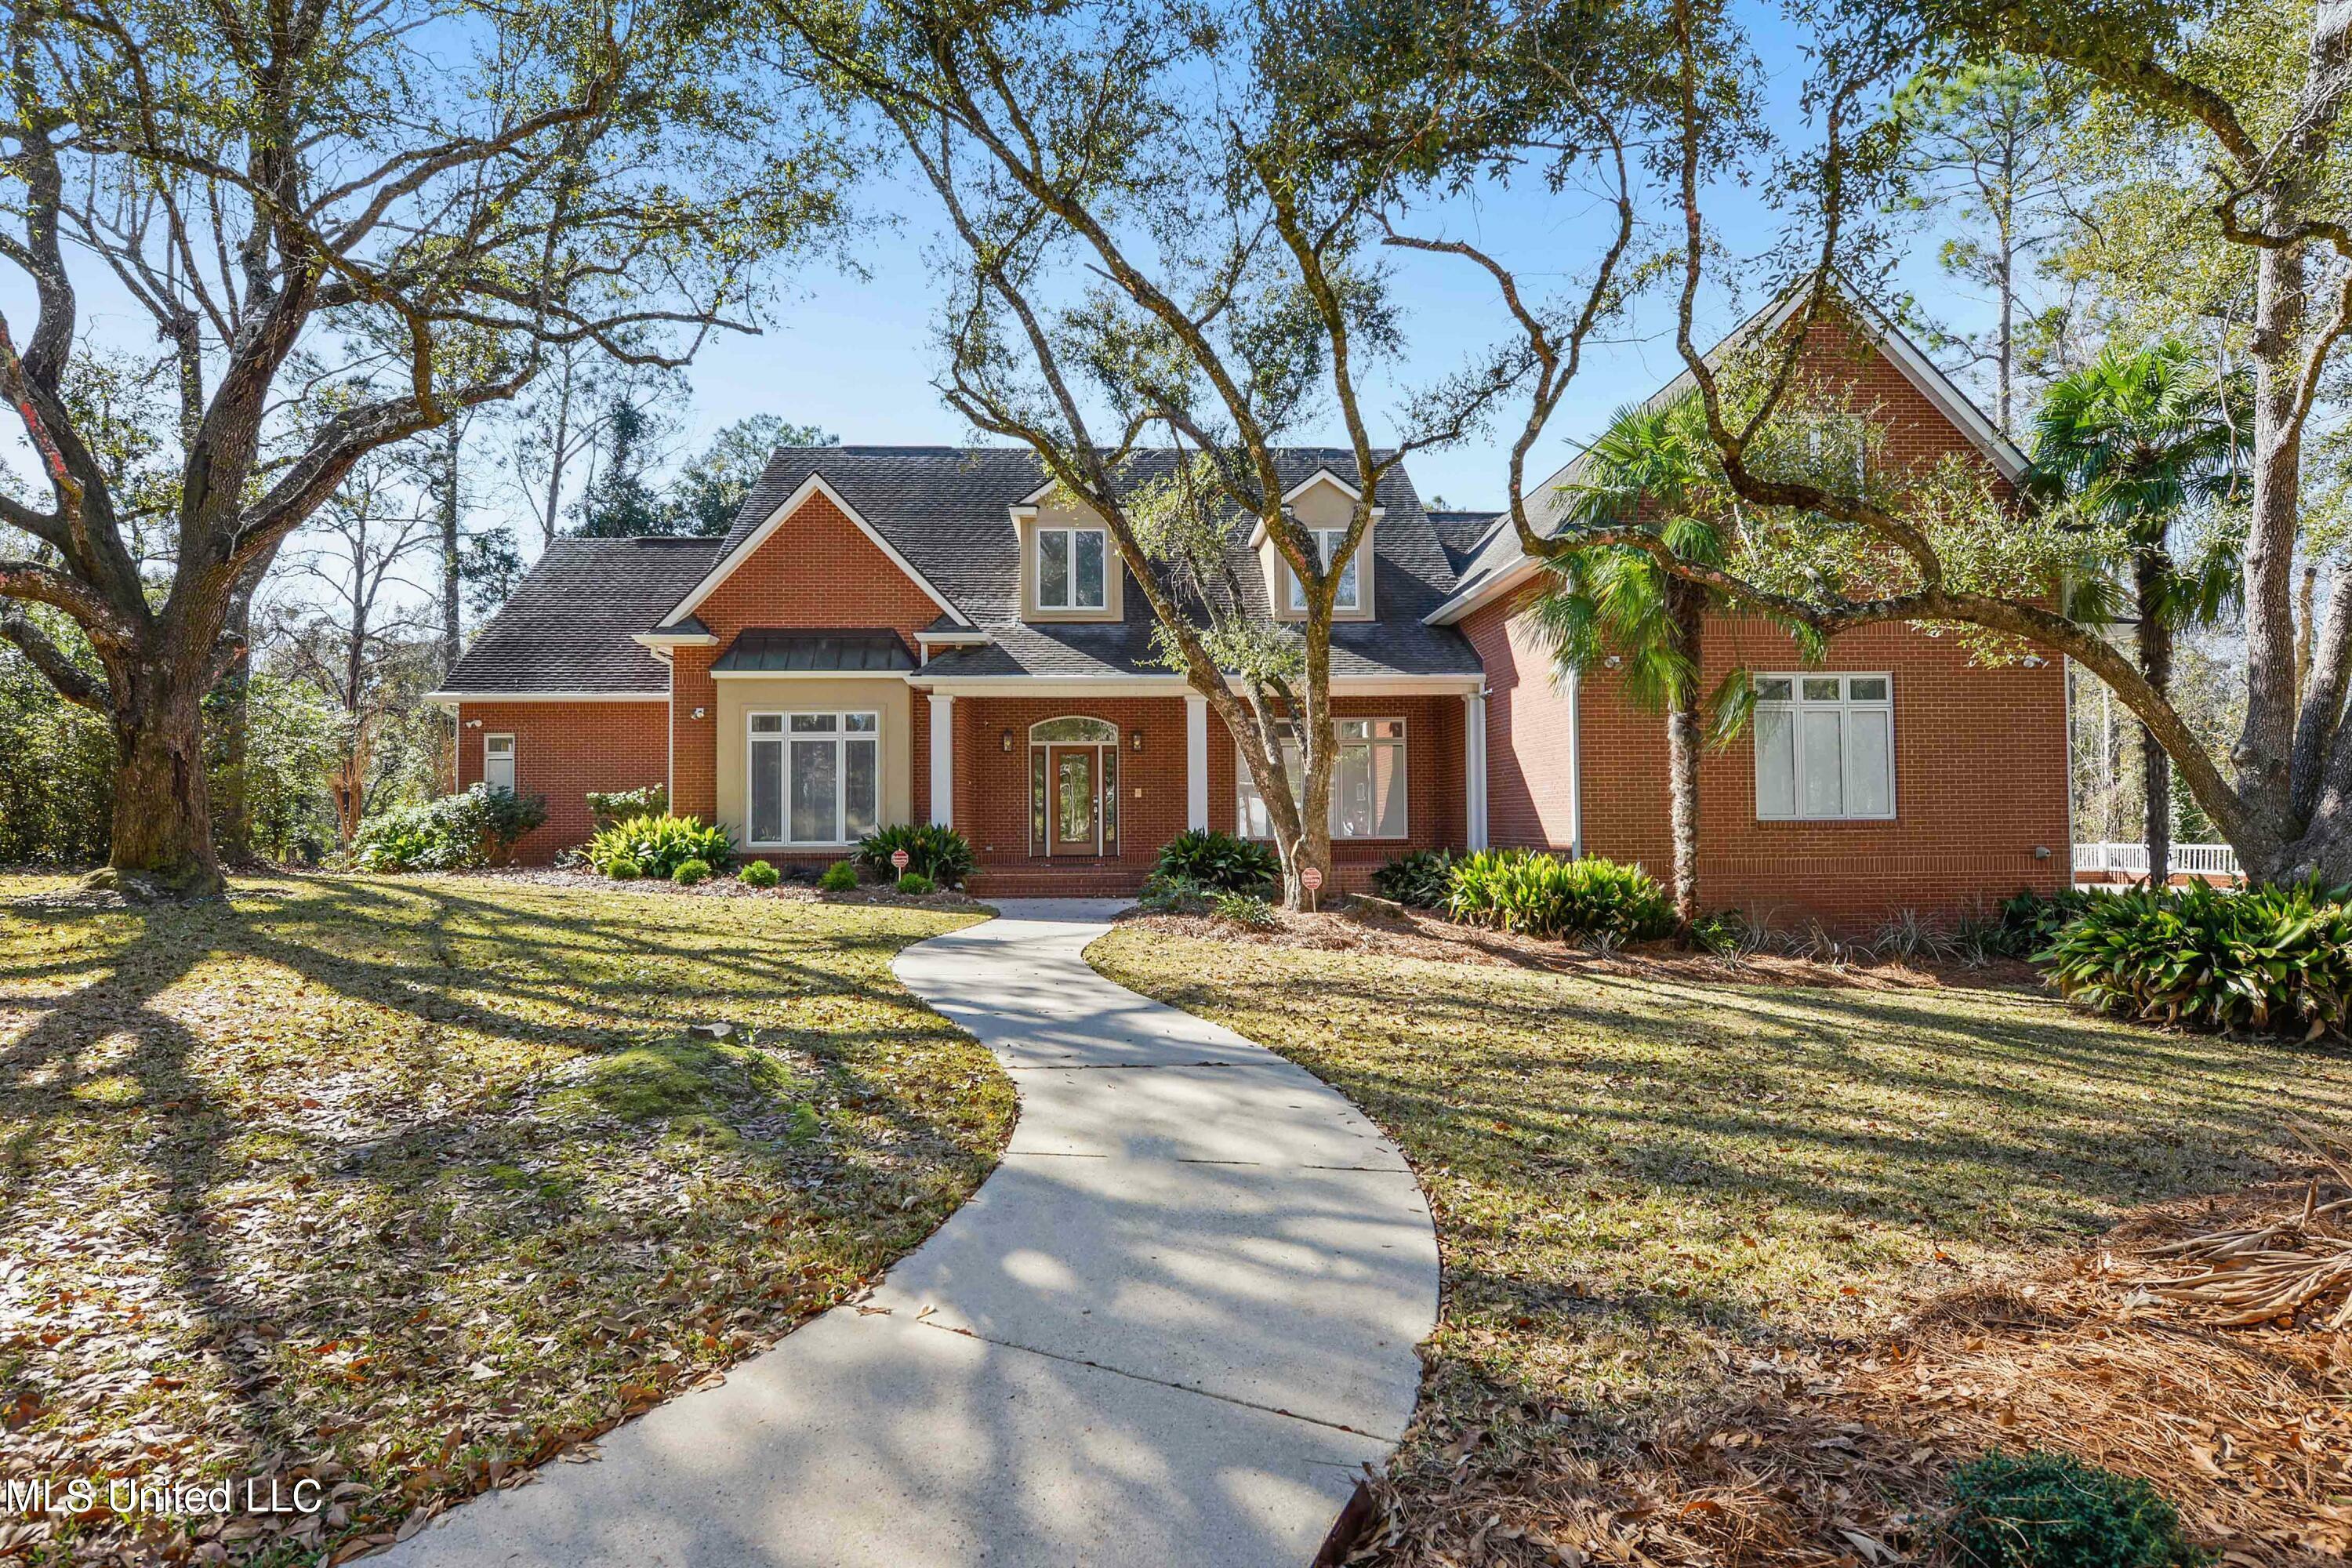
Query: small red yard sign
point(898, 858)
point(1310, 878)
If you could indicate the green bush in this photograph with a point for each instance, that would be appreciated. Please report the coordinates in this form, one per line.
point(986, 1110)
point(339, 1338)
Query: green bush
point(609, 806)
point(689, 872)
point(761, 874)
point(940, 853)
point(1419, 878)
point(914, 885)
point(2272, 959)
point(841, 876)
point(621, 869)
point(2052, 1511)
point(2028, 921)
point(1213, 859)
point(660, 845)
point(1165, 895)
point(453, 833)
point(1543, 895)
point(1241, 909)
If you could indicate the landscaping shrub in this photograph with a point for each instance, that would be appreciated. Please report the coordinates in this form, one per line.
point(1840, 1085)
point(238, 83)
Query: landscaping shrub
point(621, 869)
point(1419, 878)
point(2274, 959)
point(1165, 895)
point(1213, 859)
point(761, 874)
point(1241, 909)
point(2028, 921)
point(689, 872)
point(914, 885)
point(1543, 895)
point(2053, 1510)
point(609, 806)
point(453, 833)
point(660, 845)
point(940, 853)
point(841, 876)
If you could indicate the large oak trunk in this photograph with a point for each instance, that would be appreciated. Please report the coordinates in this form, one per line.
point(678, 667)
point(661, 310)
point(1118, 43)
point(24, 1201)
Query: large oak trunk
point(163, 819)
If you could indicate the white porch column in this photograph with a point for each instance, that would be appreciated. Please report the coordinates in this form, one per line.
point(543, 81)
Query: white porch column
point(942, 761)
point(1473, 768)
point(1196, 762)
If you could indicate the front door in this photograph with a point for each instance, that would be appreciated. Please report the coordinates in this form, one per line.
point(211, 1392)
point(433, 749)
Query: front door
point(1076, 802)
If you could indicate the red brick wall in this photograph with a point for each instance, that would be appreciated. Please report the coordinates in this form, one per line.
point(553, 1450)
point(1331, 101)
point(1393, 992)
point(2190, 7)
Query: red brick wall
point(1434, 805)
point(1531, 760)
point(563, 749)
point(992, 792)
point(817, 572)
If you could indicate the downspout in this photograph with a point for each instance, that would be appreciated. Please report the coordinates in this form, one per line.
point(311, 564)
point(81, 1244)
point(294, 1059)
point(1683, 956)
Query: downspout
point(1575, 768)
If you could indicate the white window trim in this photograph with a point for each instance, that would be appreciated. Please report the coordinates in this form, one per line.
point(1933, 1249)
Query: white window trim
point(514, 760)
point(1037, 566)
point(1797, 703)
point(840, 804)
point(1029, 780)
point(1325, 541)
point(1243, 783)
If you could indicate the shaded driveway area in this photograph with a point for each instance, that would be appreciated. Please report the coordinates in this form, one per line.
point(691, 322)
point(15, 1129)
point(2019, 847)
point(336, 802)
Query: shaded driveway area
point(1171, 1328)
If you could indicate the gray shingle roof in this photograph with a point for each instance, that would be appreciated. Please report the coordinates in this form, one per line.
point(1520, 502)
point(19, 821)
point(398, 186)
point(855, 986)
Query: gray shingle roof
point(567, 627)
point(1461, 533)
point(773, 649)
point(944, 508)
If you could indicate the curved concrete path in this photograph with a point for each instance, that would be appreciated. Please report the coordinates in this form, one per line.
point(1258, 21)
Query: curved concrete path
point(1170, 1328)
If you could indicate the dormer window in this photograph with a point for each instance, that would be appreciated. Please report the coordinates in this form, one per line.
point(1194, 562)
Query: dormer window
point(1345, 596)
point(1072, 569)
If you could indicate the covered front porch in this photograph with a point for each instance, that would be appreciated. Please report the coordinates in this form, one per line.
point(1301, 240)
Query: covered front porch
point(1072, 787)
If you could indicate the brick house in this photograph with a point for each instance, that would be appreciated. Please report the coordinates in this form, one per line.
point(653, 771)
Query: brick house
point(904, 634)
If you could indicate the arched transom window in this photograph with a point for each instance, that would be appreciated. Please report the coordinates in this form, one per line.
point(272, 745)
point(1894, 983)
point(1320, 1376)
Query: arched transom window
point(1074, 786)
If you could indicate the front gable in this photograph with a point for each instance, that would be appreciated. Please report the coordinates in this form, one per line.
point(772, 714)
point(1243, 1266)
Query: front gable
point(814, 562)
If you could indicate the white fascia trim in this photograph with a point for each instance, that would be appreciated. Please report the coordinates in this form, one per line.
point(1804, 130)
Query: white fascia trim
point(959, 638)
point(1489, 588)
point(657, 641)
point(1171, 685)
point(1036, 498)
point(813, 485)
point(809, 674)
point(451, 698)
point(1321, 476)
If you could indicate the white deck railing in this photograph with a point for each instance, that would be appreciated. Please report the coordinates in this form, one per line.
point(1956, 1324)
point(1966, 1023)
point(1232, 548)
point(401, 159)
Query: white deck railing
point(2188, 859)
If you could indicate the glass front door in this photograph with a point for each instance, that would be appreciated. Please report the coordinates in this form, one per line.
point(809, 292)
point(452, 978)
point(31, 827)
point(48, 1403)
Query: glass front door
point(1076, 801)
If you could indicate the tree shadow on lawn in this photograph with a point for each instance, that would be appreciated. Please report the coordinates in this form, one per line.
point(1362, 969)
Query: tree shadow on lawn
point(311, 1227)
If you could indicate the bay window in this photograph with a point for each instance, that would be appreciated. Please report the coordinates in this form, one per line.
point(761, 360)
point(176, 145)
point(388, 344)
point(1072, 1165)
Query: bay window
point(1073, 568)
point(1369, 782)
point(1824, 747)
point(816, 778)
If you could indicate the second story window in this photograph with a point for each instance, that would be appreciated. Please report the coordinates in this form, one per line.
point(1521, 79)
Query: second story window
point(1072, 568)
point(1345, 596)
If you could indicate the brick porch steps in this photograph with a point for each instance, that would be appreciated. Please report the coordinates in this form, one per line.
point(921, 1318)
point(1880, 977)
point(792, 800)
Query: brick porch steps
point(1059, 882)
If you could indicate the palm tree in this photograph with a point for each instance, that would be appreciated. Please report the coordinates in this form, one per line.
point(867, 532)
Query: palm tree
point(2135, 439)
point(1613, 607)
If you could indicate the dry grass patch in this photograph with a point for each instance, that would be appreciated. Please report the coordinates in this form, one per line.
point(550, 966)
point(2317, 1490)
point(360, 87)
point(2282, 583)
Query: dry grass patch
point(1735, 1273)
point(409, 1184)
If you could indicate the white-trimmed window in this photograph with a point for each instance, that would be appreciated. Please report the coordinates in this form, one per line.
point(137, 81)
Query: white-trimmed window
point(1345, 596)
point(498, 761)
point(1073, 569)
point(1824, 747)
point(816, 778)
point(1369, 783)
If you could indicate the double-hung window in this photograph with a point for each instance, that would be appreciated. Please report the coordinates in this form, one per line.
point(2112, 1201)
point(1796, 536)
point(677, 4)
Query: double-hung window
point(1824, 747)
point(1345, 596)
point(1073, 569)
point(498, 761)
point(1367, 782)
point(816, 778)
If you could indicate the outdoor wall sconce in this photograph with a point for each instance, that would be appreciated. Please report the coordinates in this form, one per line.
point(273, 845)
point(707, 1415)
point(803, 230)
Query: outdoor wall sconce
point(1006, 740)
point(698, 712)
point(473, 723)
point(1135, 740)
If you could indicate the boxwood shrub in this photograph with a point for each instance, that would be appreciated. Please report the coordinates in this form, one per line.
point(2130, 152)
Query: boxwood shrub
point(1211, 859)
point(761, 874)
point(841, 876)
point(1543, 895)
point(660, 845)
point(2275, 960)
point(940, 853)
point(2053, 1510)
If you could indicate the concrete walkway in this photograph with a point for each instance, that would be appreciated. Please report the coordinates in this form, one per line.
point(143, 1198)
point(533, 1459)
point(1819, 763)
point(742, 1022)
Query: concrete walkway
point(1170, 1328)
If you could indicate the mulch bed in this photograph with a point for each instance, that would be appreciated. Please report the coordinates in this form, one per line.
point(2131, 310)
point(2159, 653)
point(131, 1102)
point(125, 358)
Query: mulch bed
point(1365, 927)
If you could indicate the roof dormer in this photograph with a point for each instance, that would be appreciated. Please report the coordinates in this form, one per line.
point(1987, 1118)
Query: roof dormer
point(1323, 504)
point(1070, 569)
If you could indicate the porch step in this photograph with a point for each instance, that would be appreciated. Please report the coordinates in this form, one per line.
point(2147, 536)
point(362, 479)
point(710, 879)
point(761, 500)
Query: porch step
point(1069, 882)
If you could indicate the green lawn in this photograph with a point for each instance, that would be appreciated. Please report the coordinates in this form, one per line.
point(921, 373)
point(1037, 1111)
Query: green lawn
point(406, 1183)
point(1655, 1196)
